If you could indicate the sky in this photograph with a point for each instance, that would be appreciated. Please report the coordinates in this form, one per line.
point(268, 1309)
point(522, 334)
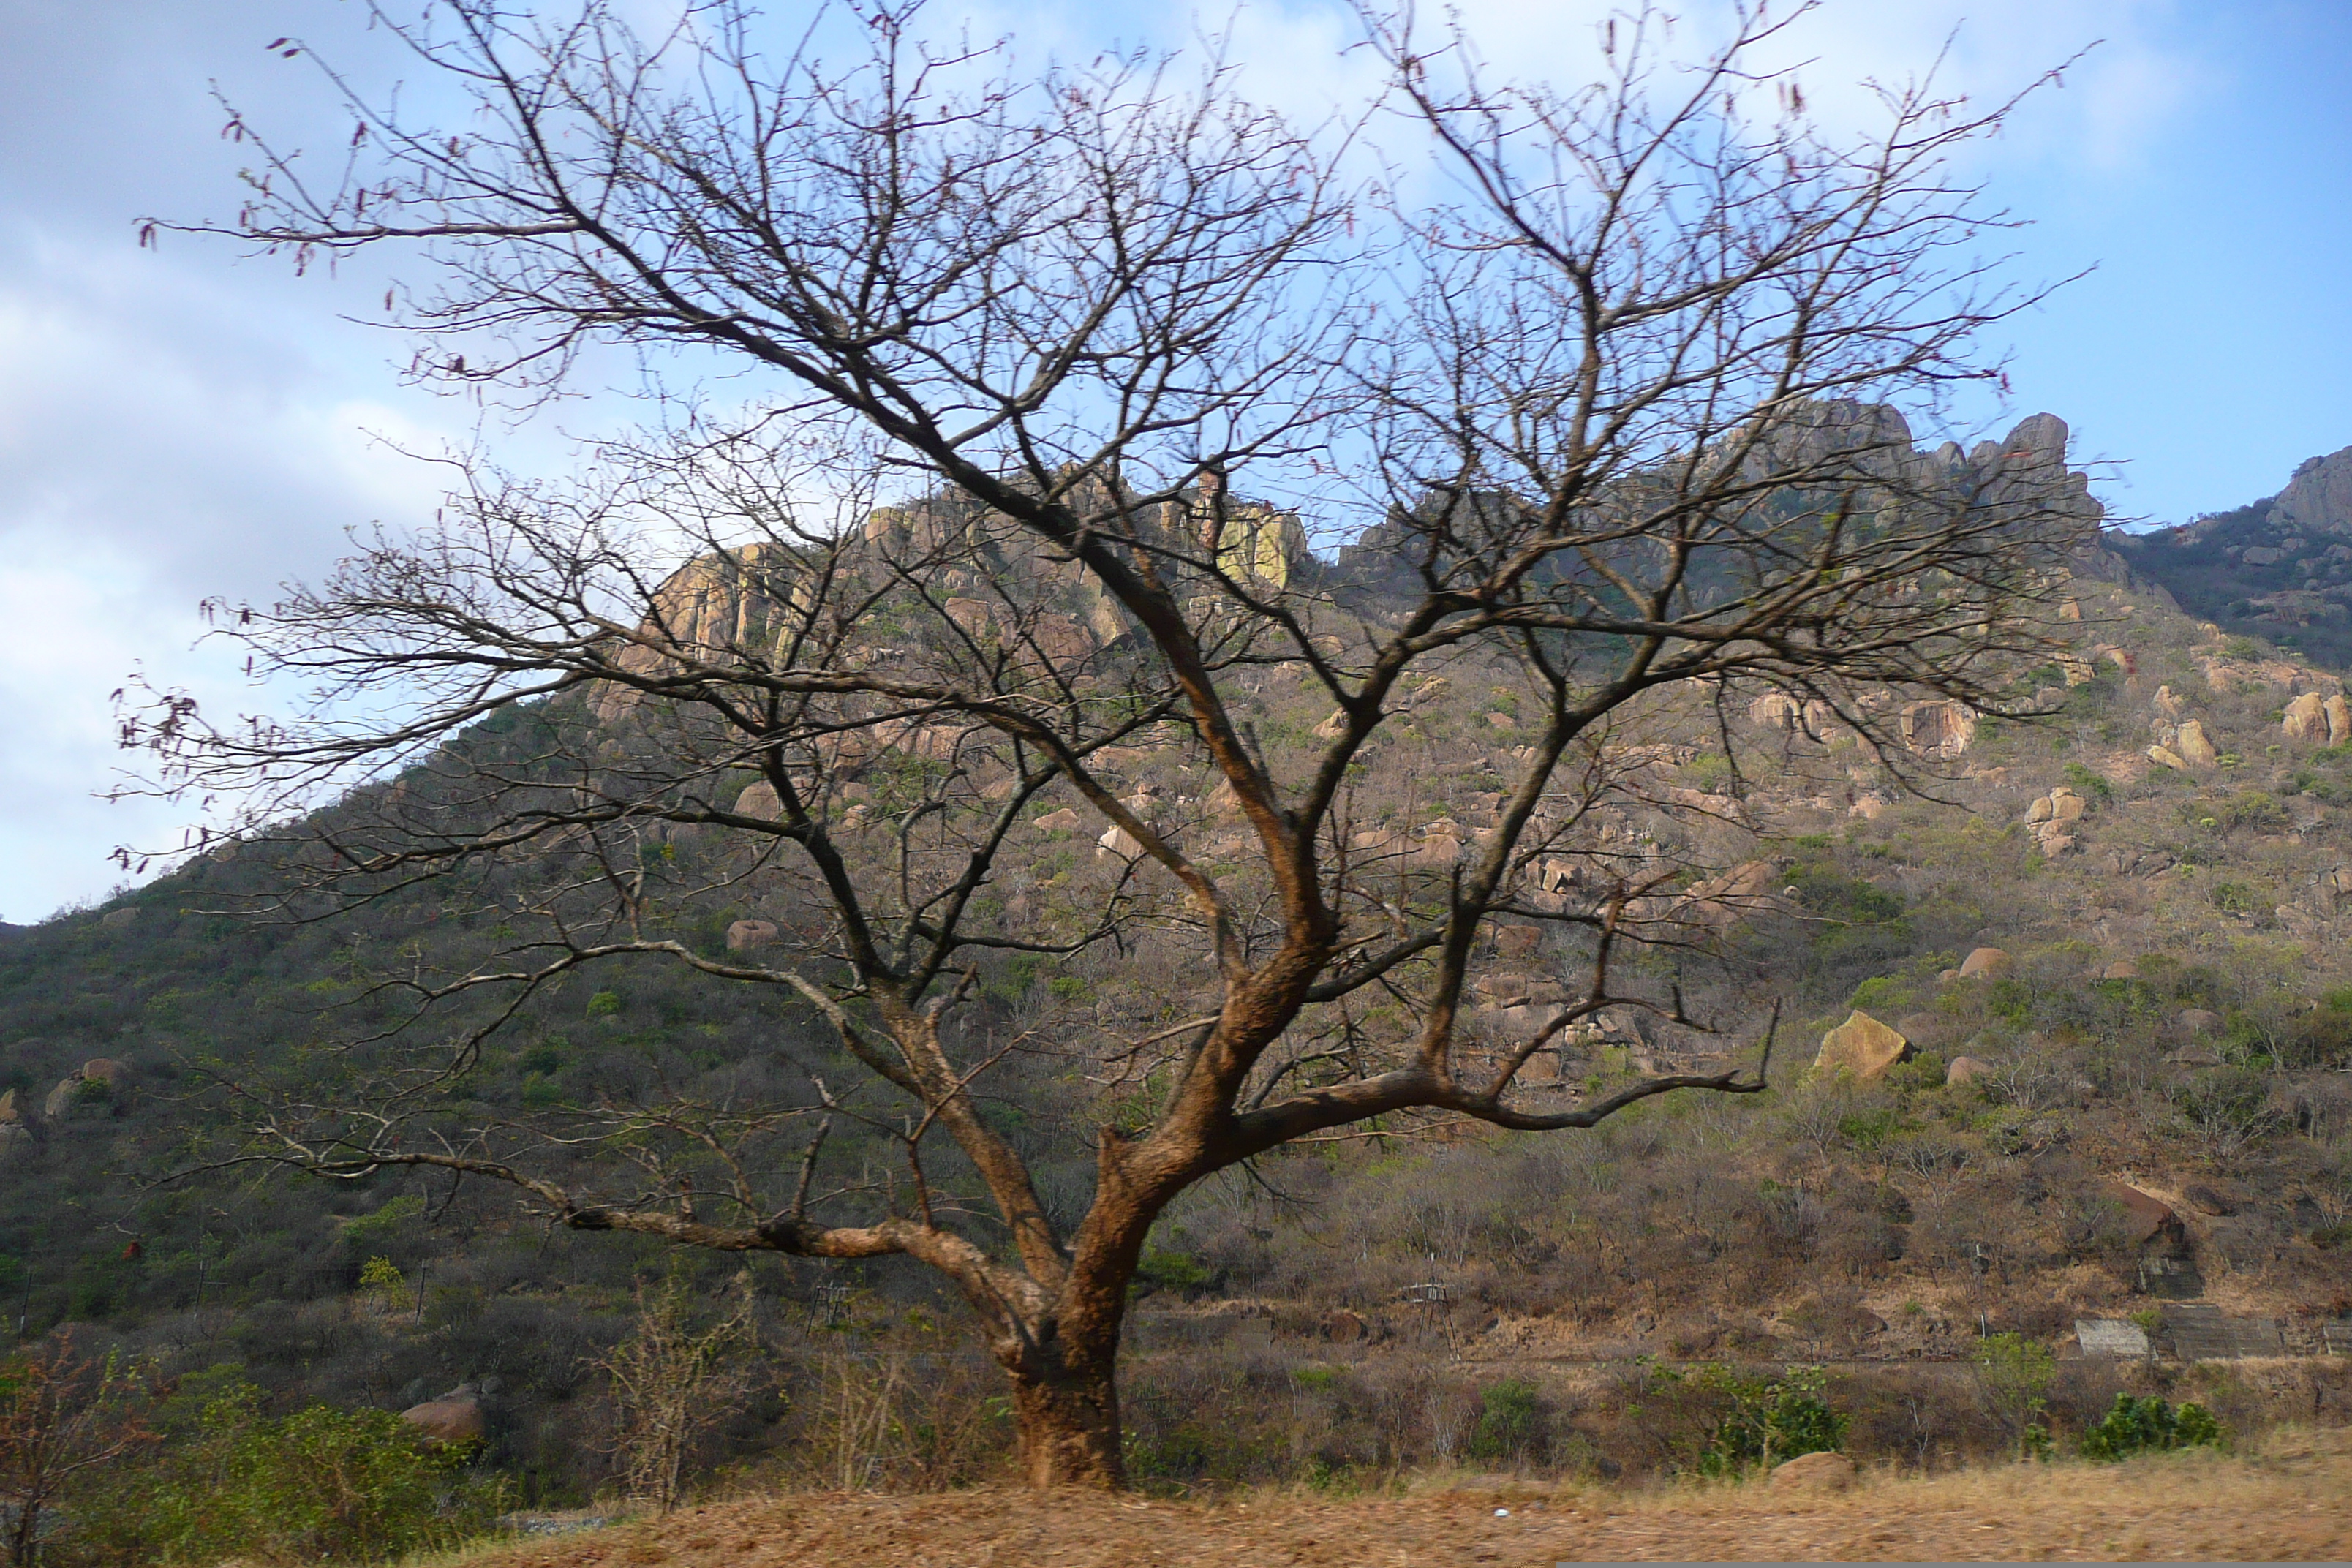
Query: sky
point(186, 421)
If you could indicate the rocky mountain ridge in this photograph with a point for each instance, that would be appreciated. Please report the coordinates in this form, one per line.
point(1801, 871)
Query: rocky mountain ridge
point(2279, 568)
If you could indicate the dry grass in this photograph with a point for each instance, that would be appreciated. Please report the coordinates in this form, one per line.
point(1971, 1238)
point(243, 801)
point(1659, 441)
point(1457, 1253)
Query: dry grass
point(2291, 1499)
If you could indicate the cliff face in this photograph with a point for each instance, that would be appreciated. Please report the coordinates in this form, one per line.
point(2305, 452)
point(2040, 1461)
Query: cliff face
point(2280, 568)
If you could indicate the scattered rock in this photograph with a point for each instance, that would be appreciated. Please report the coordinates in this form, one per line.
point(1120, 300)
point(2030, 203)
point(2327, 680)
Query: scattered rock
point(745, 935)
point(1334, 727)
point(452, 1418)
point(1119, 841)
point(1814, 1472)
point(1732, 896)
point(2170, 706)
point(2165, 756)
point(760, 801)
point(1987, 964)
point(2194, 748)
point(1967, 1069)
point(2299, 922)
point(1863, 1047)
point(1775, 710)
point(1518, 942)
point(1063, 821)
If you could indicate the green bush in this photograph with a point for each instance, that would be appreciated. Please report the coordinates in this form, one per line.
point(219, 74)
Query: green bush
point(2150, 1425)
point(323, 1485)
point(2090, 785)
point(1510, 1419)
point(1757, 1420)
point(1171, 1270)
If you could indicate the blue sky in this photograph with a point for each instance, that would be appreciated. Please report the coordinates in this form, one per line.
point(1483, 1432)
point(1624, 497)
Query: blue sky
point(184, 421)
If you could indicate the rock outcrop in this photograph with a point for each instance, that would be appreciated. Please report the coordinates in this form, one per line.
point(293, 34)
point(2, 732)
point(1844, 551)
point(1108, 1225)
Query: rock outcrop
point(1937, 728)
point(2051, 819)
point(2279, 568)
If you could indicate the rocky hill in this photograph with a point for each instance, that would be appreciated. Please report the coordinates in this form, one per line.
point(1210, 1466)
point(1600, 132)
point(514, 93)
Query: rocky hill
point(2279, 568)
point(2065, 1041)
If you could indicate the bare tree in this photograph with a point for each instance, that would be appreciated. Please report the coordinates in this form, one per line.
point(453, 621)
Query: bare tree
point(61, 1413)
point(1621, 399)
point(672, 1381)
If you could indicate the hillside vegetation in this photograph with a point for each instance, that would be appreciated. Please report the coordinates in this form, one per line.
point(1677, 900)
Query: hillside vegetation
point(2168, 1017)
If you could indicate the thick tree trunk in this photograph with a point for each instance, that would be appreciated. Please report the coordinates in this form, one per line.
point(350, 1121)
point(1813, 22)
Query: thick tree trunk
point(1068, 1418)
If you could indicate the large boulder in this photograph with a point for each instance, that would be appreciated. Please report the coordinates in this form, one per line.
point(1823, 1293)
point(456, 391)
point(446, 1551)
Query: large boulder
point(744, 936)
point(107, 1070)
point(1814, 1472)
point(2305, 717)
point(2194, 748)
point(1924, 1029)
point(2339, 719)
point(455, 1418)
point(1863, 1047)
point(1967, 1069)
point(2146, 1219)
point(760, 801)
point(1063, 821)
point(1939, 726)
point(1987, 964)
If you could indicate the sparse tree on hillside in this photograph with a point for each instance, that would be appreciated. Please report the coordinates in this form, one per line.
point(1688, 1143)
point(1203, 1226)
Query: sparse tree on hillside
point(1615, 397)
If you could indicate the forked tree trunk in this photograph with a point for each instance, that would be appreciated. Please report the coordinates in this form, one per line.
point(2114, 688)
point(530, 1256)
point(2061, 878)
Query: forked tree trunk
point(1066, 1416)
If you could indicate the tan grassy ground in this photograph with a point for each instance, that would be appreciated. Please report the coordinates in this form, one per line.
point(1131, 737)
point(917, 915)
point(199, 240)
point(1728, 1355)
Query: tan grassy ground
point(2292, 1499)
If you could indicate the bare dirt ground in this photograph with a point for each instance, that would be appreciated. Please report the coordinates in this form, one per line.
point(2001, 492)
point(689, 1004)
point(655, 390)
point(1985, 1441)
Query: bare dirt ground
point(2290, 1501)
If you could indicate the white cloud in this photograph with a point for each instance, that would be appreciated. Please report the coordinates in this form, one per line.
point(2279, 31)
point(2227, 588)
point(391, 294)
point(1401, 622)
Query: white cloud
point(159, 443)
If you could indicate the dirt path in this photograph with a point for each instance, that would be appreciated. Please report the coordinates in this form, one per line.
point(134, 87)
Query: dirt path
point(2293, 1502)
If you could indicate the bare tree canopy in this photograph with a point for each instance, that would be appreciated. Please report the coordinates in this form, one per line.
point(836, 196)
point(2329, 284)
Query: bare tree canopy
point(1046, 390)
